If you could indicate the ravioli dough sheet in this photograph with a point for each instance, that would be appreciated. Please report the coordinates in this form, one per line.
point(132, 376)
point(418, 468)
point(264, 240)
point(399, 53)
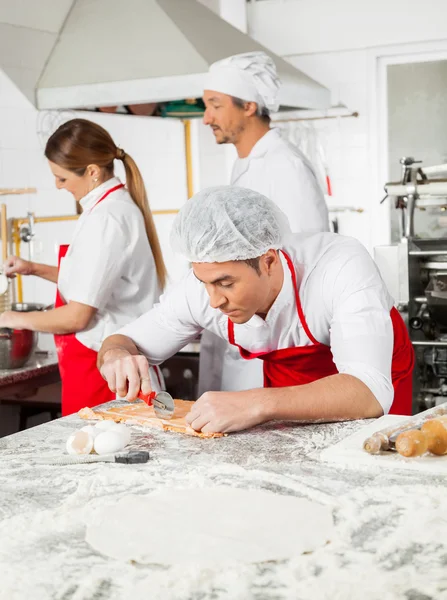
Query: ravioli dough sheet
point(213, 526)
point(140, 413)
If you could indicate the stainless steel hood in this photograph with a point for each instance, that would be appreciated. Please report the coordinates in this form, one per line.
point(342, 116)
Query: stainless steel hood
point(113, 52)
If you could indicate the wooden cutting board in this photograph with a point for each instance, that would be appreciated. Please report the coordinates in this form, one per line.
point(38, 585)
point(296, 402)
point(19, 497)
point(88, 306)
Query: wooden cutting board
point(139, 413)
point(349, 452)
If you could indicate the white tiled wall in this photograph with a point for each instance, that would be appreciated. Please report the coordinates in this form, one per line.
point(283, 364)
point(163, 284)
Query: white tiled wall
point(346, 140)
point(212, 163)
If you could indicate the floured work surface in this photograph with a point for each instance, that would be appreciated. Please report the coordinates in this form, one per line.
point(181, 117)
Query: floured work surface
point(138, 413)
point(350, 451)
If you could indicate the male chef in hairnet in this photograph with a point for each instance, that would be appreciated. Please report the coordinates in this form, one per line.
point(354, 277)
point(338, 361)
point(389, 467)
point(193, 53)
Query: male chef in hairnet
point(312, 307)
point(240, 93)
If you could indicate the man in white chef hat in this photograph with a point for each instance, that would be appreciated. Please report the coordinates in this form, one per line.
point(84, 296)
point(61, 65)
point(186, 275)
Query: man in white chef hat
point(240, 93)
point(312, 307)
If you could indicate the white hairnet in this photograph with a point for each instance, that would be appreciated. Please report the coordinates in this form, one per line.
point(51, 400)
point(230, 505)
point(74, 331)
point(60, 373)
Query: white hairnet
point(251, 77)
point(226, 223)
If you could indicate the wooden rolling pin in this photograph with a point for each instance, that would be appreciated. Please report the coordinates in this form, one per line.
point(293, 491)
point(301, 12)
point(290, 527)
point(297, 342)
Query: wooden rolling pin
point(380, 440)
point(432, 437)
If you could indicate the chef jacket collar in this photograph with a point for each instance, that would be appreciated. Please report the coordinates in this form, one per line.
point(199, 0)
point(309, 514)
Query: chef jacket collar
point(89, 201)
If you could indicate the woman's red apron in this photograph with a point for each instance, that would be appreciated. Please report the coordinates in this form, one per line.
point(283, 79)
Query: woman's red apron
point(304, 364)
point(82, 384)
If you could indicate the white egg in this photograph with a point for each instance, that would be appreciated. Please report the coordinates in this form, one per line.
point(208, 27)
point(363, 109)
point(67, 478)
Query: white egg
point(91, 430)
point(105, 425)
point(80, 442)
point(123, 430)
point(109, 442)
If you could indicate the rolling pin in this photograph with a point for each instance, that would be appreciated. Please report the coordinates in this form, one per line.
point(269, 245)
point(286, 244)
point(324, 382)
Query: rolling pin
point(379, 441)
point(432, 437)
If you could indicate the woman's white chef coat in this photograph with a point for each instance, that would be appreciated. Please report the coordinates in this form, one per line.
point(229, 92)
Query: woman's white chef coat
point(281, 172)
point(109, 264)
point(345, 303)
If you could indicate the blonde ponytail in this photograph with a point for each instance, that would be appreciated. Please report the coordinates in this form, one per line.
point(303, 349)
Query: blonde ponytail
point(135, 185)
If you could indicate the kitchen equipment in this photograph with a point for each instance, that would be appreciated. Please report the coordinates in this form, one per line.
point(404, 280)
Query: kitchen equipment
point(163, 403)
point(17, 345)
point(130, 458)
point(415, 272)
point(177, 24)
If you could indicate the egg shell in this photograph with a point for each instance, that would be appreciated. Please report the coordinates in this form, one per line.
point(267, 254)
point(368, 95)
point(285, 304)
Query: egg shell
point(80, 442)
point(109, 442)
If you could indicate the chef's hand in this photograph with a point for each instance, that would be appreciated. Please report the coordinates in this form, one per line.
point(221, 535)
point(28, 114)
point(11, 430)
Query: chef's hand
point(222, 412)
point(11, 319)
point(126, 374)
point(15, 265)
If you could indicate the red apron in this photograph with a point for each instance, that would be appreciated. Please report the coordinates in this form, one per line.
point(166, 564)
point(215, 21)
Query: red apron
point(82, 384)
point(305, 364)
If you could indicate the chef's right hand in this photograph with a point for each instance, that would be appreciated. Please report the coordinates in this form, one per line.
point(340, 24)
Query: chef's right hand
point(15, 265)
point(126, 374)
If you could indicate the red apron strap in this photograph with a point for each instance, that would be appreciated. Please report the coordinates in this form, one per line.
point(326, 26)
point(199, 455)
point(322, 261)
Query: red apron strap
point(230, 325)
point(297, 299)
point(301, 317)
point(63, 249)
point(116, 187)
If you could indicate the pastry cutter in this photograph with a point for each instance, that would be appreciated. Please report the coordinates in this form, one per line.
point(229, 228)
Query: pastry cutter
point(162, 402)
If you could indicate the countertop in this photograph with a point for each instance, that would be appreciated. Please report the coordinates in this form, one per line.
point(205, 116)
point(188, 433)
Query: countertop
point(38, 364)
point(389, 540)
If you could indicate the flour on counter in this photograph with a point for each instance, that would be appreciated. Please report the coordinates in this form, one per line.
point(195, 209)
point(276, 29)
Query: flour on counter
point(388, 541)
point(379, 548)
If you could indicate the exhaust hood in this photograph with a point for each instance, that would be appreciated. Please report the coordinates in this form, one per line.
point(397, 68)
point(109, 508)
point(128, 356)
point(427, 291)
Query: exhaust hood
point(113, 52)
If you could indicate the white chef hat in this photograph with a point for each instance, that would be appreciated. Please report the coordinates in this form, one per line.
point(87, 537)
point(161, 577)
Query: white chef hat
point(251, 77)
point(226, 223)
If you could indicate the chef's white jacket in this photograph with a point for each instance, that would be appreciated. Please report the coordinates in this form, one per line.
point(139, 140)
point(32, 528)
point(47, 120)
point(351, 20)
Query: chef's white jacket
point(281, 172)
point(109, 264)
point(345, 303)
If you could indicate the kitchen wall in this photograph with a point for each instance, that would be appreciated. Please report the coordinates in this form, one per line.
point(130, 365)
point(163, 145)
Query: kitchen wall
point(211, 162)
point(157, 145)
point(308, 26)
point(340, 44)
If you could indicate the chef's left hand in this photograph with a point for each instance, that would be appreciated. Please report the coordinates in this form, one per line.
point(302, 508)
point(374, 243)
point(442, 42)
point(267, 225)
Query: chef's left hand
point(11, 319)
point(222, 412)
